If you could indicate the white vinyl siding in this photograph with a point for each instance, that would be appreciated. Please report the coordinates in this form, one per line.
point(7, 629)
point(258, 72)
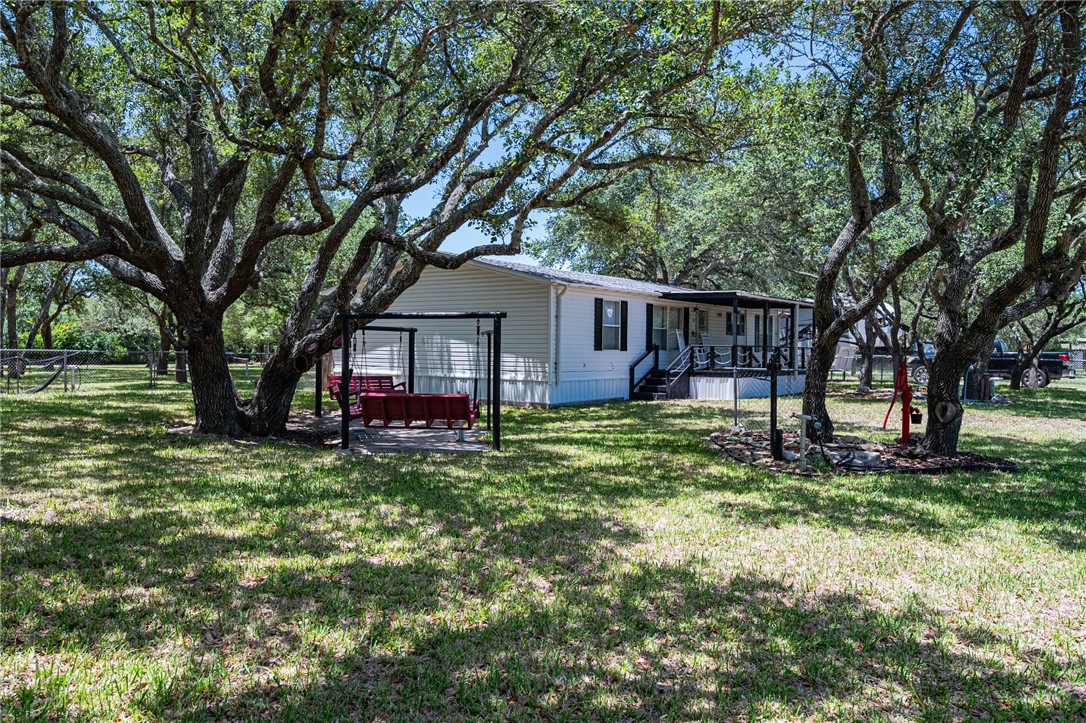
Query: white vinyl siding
point(448, 359)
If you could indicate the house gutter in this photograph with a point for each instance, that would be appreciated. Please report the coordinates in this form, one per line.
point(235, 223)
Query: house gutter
point(558, 330)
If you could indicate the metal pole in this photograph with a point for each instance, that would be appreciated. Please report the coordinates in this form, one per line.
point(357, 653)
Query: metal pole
point(318, 409)
point(776, 440)
point(345, 387)
point(497, 394)
point(735, 361)
point(488, 400)
point(411, 362)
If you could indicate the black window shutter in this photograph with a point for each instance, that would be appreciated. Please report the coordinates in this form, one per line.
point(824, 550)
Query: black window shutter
point(686, 324)
point(622, 329)
point(598, 344)
point(648, 326)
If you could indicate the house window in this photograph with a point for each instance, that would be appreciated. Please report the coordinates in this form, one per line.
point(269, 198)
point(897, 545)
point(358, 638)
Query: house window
point(728, 326)
point(703, 323)
point(674, 323)
point(659, 326)
point(666, 320)
point(610, 325)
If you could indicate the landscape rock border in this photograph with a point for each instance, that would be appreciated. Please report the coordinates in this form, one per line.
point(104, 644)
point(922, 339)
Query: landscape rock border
point(849, 454)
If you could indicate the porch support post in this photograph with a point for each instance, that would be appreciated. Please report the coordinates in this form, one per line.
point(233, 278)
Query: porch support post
point(795, 336)
point(765, 333)
point(735, 332)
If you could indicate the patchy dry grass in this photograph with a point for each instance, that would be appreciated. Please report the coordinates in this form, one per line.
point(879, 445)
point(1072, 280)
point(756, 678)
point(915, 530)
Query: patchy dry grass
point(606, 566)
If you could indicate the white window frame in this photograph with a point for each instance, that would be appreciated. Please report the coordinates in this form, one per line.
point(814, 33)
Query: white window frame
point(702, 328)
point(617, 325)
point(733, 320)
point(659, 310)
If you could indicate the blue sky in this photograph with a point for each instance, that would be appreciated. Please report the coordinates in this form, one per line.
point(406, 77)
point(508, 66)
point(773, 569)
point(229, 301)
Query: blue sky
point(421, 202)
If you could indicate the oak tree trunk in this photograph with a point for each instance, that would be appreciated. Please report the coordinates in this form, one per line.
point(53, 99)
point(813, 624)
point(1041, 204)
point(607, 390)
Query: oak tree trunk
point(213, 391)
point(13, 332)
point(823, 352)
point(1018, 370)
point(944, 404)
point(268, 410)
point(867, 361)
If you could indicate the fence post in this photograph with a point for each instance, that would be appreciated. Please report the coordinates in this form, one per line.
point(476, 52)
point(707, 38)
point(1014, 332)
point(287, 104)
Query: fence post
point(180, 374)
point(776, 439)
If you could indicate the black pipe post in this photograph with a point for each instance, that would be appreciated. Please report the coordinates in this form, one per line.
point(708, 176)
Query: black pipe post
point(318, 409)
point(345, 387)
point(488, 335)
point(411, 362)
point(776, 439)
point(735, 358)
point(497, 382)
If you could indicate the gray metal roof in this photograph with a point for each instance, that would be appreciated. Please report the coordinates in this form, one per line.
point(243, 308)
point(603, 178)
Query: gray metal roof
point(744, 299)
point(615, 283)
point(580, 278)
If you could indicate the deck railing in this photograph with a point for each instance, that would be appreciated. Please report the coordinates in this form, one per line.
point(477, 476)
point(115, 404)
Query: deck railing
point(713, 358)
point(635, 380)
point(678, 374)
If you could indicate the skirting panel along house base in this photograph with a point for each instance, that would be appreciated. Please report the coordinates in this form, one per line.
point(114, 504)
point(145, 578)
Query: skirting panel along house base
point(725, 388)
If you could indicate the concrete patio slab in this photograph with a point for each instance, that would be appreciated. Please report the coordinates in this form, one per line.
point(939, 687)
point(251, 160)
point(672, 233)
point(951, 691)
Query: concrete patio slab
point(395, 440)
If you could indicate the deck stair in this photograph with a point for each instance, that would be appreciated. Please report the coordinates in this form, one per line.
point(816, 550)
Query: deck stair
point(671, 382)
point(653, 386)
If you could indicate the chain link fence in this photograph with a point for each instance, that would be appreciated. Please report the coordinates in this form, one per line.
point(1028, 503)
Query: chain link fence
point(753, 404)
point(69, 370)
point(1077, 362)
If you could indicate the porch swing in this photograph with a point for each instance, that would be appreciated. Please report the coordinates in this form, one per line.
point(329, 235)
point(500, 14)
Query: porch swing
point(377, 382)
point(381, 404)
point(367, 382)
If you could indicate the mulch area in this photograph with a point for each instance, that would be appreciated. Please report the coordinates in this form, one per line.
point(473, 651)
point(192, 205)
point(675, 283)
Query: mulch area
point(850, 454)
point(303, 430)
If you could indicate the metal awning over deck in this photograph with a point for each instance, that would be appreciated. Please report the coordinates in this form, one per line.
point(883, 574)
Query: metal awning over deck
point(740, 299)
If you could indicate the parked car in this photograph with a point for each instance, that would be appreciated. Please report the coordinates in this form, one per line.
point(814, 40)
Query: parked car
point(1050, 364)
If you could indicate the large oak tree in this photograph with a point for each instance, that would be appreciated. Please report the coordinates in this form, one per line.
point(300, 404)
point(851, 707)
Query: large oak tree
point(178, 144)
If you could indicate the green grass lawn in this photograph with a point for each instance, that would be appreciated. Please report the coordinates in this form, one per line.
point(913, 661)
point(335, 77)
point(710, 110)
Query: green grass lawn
point(606, 566)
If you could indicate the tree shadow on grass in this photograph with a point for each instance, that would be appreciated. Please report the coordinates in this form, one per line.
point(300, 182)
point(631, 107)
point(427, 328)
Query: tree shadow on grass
point(1054, 402)
point(593, 457)
point(1047, 498)
point(662, 642)
point(506, 576)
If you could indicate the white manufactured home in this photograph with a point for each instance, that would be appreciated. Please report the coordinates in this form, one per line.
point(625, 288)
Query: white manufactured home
point(573, 337)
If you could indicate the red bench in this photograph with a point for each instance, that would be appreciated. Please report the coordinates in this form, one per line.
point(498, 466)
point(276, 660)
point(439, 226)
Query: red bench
point(334, 391)
point(448, 408)
point(369, 383)
point(386, 408)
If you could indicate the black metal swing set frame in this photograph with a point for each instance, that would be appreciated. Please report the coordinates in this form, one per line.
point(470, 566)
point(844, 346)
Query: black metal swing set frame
point(494, 359)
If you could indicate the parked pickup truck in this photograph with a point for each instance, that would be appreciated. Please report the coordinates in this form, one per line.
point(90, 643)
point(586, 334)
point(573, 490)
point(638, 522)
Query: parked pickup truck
point(1050, 364)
